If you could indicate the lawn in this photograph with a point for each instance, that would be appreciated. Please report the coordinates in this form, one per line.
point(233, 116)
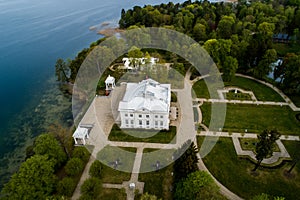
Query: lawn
point(112, 173)
point(256, 118)
point(112, 193)
point(235, 173)
point(142, 135)
point(152, 156)
point(262, 92)
point(231, 95)
point(159, 183)
point(249, 144)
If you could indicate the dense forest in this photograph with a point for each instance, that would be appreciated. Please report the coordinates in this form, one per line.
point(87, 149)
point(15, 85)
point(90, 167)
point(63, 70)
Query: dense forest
point(243, 36)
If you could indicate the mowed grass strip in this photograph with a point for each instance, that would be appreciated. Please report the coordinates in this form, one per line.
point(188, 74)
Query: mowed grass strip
point(261, 92)
point(256, 118)
point(155, 136)
point(235, 173)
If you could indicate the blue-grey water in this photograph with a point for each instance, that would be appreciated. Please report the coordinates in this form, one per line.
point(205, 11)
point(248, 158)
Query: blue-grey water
point(33, 34)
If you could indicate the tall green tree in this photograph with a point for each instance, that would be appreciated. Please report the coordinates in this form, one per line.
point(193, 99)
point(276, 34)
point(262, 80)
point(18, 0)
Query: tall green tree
point(186, 160)
point(265, 145)
point(46, 144)
point(61, 70)
point(197, 186)
point(229, 68)
point(34, 180)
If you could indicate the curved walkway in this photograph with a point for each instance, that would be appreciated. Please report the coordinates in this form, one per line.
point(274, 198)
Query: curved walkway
point(286, 98)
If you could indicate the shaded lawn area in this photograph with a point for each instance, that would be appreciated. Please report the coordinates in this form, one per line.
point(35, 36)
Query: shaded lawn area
point(122, 172)
point(142, 135)
point(261, 92)
point(152, 156)
point(256, 118)
point(159, 183)
point(235, 173)
point(249, 144)
point(112, 193)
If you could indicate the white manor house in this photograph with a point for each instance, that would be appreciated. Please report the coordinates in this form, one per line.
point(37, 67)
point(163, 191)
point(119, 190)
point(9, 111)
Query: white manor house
point(146, 105)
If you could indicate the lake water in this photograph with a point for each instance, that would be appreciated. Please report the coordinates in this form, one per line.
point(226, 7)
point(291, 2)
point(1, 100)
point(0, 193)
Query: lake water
point(33, 34)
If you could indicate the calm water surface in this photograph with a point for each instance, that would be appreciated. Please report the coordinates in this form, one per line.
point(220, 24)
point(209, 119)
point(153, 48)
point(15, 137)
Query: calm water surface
point(33, 34)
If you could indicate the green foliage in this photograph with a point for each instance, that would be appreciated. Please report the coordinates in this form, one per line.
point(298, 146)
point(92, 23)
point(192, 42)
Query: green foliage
point(82, 153)
point(91, 188)
point(74, 167)
point(265, 146)
point(264, 196)
point(34, 180)
point(186, 160)
point(147, 196)
point(66, 186)
point(46, 144)
point(96, 169)
point(197, 185)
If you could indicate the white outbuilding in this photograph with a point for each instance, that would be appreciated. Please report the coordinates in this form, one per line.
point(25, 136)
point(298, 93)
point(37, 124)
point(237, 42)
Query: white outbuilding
point(146, 105)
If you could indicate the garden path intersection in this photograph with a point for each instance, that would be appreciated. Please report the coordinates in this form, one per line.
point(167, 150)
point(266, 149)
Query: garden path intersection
point(102, 115)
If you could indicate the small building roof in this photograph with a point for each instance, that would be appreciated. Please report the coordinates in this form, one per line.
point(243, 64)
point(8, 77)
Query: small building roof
point(80, 133)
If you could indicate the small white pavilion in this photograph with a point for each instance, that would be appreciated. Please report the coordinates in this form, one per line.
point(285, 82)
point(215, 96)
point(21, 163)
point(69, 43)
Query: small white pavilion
point(110, 83)
point(80, 135)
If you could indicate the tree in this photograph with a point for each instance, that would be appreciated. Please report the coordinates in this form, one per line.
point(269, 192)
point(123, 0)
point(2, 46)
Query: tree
point(91, 188)
point(34, 180)
point(264, 66)
point(46, 144)
point(229, 68)
point(96, 169)
point(66, 186)
point(199, 32)
point(225, 27)
point(134, 53)
point(74, 167)
point(198, 185)
point(186, 160)
point(61, 70)
point(64, 136)
point(265, 146)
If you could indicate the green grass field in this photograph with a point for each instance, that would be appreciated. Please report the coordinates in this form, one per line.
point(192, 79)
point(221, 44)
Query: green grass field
point(256, 118)
point(262, 92)
point(111, 193)
point(159, 183)
point(235, 173)
point(142, 135)
point(116, 174)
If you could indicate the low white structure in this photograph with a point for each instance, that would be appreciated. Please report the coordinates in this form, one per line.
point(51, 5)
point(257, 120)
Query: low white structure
point(146, 105)
point(128, 61)
point(110, 83)
point(80, 135)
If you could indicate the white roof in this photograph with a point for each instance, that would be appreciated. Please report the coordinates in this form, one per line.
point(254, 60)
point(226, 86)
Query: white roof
point(80, 132)
point(110, 79)
point(148, 95)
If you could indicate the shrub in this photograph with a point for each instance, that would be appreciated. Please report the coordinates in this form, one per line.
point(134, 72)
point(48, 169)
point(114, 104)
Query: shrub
point(91, 188)
point(66, 186)
point(74, 167)
point(95, 169)
point(82, 153)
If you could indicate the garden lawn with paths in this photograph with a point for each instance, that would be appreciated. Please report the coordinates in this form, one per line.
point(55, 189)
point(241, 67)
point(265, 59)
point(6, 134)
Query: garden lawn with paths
point(261, 92)
point(256, 118)
point(235, 173)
